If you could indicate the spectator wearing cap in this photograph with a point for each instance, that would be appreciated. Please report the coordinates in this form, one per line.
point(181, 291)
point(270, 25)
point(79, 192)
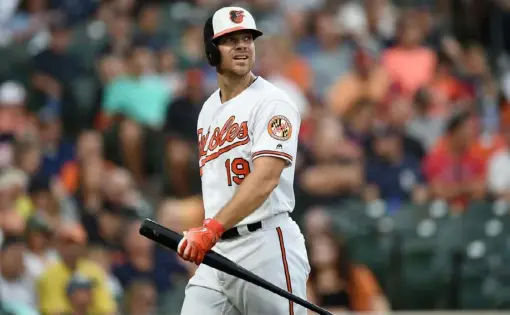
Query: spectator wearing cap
point(39, 255)
point(498, 178)
point(52, 285)
point(56, 148)
point(181, 149)
point(16, 284)
point(137, 103)
point(79, 293)
point(394, 174)
point(453, 172)
point(13, 118)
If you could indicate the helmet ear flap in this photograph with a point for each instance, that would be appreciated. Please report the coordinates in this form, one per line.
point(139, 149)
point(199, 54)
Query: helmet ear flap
point(212, 53)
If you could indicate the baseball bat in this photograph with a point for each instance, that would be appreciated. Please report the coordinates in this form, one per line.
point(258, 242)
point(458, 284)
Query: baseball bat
point(171, 239)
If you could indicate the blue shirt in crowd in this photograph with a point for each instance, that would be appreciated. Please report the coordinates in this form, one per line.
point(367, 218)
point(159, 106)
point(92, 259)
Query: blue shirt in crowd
point(395, 181)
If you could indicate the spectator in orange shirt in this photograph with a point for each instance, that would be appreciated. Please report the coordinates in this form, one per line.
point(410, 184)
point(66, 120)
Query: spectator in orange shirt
point(454, 173)
point(339, 285)
point(367, 81)
point(89, 147)
point(409, 63)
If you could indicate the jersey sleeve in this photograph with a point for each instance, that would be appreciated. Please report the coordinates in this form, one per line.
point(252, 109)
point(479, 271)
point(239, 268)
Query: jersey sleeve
point(275, 131)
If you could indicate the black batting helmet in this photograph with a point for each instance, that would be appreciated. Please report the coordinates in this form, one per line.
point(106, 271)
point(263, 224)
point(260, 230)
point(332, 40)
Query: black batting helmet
point(224, 21)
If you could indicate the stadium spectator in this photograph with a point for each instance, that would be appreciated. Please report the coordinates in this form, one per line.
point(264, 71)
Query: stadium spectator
point(337, 283)
point(39, 253)
point(13, 120)
point(394, 174)
point(105, 256)
point(139, 125)
point(149, 34)
point(358, 122)
point(452, 171)
point(119, 38)
point(141, 298)
point(424, 127)
point(167, 68)
point(145, 260)
point(89, 147)
point(54, 69)
point(332, 58)
point(51, 286)
point(331, 169)
point(28, 155)
point(51, 202)
point(368, 80)
point(181, 141)
point(498, 175)
point(12, 213)
point(272, 66)
point(399, 113)
point(56, 148)
point(409, 50)
point(17, 285)
point(79, 294)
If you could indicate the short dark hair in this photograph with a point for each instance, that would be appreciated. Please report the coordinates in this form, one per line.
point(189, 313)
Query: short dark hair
point(457, 119)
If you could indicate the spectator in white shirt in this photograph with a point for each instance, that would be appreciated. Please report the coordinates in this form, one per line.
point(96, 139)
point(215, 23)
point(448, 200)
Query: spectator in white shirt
point(16, 284)
point(499, 169)
point(38, 255)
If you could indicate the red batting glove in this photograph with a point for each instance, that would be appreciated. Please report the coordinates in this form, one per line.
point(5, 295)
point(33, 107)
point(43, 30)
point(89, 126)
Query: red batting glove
point(198, 241)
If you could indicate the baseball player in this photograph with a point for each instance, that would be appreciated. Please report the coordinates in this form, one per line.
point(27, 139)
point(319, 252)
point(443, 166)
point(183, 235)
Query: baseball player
point(247, 137)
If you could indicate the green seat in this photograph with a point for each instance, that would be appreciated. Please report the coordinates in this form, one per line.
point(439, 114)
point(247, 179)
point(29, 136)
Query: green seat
point(484, 240)
point(420, 282)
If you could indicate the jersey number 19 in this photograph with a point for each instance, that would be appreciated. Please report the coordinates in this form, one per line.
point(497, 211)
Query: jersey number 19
point(237, 170)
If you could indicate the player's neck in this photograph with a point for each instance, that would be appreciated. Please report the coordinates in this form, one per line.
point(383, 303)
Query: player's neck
point(231, 86)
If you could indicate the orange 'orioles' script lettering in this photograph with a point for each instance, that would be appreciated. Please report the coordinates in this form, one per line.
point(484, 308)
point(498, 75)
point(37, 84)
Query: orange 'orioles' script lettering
point(231, 134)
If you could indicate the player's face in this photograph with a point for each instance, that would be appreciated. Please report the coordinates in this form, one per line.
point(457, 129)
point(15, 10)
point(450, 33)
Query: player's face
point(237, 53)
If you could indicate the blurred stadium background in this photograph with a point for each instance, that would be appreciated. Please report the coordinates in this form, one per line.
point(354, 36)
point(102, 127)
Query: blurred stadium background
point(403, 175)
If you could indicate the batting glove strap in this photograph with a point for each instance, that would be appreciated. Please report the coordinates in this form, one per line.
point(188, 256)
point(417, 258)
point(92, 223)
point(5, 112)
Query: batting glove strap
point(215, 226)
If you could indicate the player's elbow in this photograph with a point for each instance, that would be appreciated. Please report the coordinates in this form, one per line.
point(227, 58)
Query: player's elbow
point(269, 184)
point(266, 184)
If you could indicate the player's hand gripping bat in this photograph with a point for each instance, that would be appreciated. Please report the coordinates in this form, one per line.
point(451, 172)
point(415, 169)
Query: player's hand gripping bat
point(171, 239)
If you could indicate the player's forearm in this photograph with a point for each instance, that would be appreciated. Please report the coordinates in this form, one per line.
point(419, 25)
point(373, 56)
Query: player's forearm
point(252, 193)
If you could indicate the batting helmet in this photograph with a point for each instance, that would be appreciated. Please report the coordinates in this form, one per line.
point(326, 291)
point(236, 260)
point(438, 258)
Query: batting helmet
point(224, 21)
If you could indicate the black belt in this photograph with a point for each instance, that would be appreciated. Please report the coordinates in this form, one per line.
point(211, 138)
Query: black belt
point(233, 232)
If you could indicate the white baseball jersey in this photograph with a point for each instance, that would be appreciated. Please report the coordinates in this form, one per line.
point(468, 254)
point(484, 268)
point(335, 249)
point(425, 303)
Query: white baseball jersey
point(261, 121)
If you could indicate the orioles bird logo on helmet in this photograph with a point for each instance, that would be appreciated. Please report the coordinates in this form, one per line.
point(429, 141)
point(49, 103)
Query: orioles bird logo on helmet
point(236, 16)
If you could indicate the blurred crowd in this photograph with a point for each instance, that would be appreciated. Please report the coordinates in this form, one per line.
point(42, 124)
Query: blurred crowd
point(402, 102)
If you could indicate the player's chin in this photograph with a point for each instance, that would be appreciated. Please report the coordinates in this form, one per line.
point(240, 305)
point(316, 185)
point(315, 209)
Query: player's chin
point(241, 68)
